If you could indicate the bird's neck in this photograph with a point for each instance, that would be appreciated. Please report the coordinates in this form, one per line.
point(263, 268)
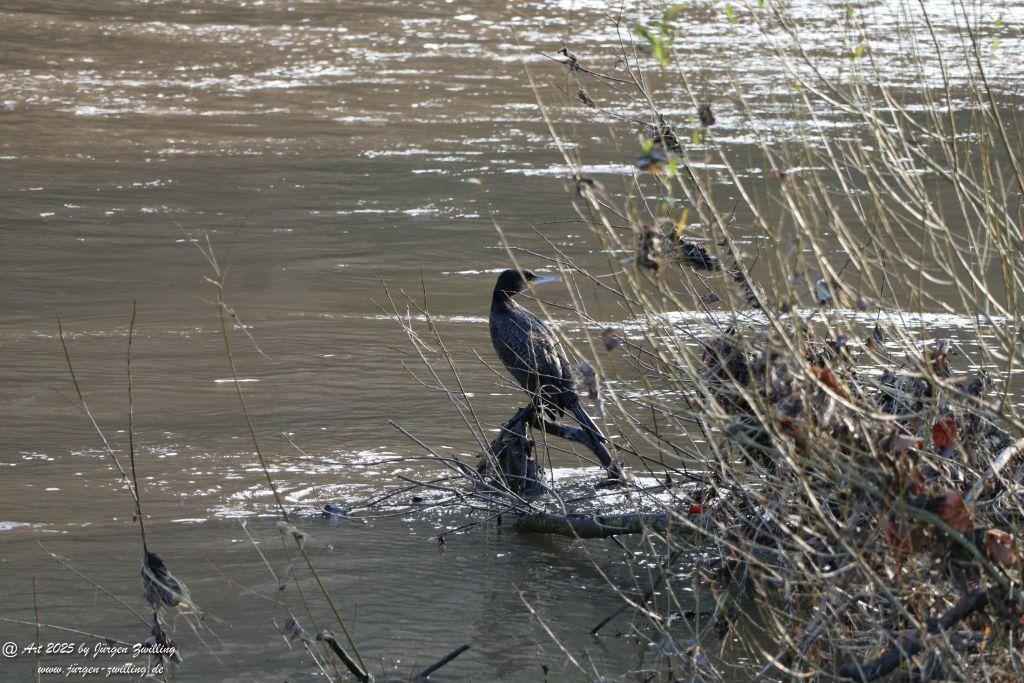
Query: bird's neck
point(501, 302)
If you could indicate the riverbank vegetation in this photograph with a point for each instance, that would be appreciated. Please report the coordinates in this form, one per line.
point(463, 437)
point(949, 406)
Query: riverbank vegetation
point(829, 487)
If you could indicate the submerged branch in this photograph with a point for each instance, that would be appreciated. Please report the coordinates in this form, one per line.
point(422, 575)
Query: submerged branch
point(909, 646)
point(425, 674)
point(592, 526)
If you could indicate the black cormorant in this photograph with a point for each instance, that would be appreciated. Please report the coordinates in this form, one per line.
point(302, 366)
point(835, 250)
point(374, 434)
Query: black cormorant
point(533, 355)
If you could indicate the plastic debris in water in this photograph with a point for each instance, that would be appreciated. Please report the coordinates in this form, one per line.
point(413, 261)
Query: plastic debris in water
point(162, 588)
point(611, 340)
point(706, 116)
point(571, 60)
point(332, 511)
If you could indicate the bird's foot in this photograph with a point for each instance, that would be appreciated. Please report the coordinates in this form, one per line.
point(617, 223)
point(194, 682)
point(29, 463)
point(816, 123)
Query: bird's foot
point(615, 477)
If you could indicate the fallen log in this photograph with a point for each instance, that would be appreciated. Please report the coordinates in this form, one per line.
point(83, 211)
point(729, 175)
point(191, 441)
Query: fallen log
point(590, 526)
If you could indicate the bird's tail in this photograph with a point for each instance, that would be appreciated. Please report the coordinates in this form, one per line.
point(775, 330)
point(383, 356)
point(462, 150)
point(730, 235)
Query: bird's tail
point(595, 434)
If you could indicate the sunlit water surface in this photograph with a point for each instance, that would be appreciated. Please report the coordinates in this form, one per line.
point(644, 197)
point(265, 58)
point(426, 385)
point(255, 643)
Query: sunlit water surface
point(341, 136)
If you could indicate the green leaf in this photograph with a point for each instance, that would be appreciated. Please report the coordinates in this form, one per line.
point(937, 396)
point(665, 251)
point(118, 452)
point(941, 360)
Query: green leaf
point(681, 224)
point(658, 45)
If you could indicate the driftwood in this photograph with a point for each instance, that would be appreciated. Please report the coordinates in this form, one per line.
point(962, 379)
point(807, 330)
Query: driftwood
point(513, 450)
point(513, 457)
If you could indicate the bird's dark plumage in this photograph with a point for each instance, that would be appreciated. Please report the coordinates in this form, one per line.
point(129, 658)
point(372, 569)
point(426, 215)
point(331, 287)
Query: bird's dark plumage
point(532, 354)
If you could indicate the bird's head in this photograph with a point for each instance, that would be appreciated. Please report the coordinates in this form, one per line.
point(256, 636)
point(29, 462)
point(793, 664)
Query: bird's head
point(513, 281)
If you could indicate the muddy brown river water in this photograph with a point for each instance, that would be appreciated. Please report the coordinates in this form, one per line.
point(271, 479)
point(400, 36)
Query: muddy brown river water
point(343, 134)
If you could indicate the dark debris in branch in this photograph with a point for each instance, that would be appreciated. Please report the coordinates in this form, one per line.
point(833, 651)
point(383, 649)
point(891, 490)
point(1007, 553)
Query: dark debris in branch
point(162, 588)
point(697, 256)
point(704, 113)
point(662, 136)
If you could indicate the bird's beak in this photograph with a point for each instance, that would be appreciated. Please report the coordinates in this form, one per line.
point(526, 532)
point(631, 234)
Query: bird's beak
point(544, 278)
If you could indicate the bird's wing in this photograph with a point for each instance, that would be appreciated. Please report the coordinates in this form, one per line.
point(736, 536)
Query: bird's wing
point(551, 364)
point(510, 335)
point(531, 352)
